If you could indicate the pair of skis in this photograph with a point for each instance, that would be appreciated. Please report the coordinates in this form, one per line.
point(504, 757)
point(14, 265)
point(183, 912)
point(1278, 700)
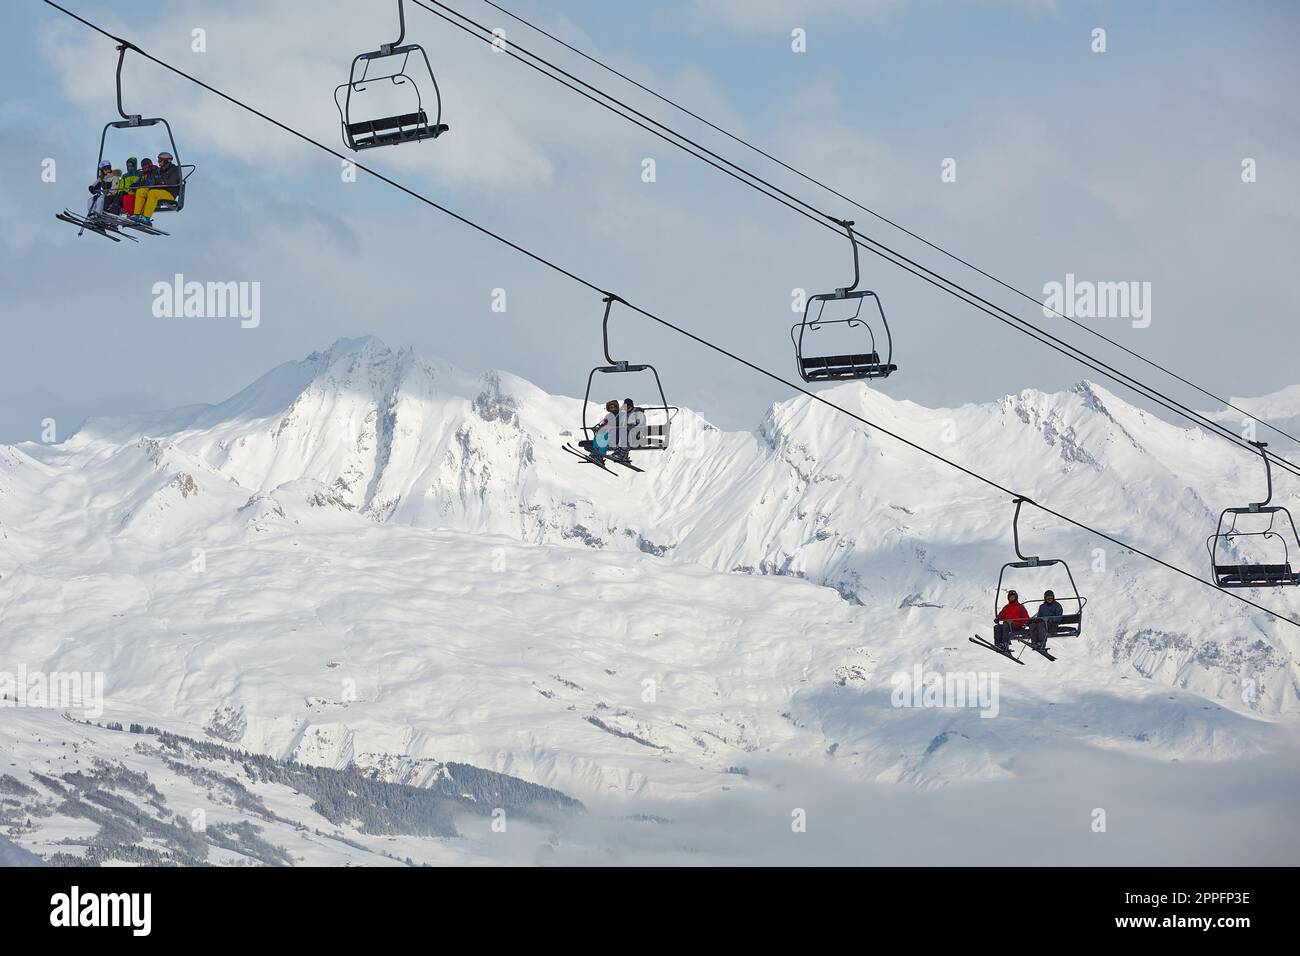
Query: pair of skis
point(108, 225)
point(600, 461)
point(94, 224)
point(1007, 651)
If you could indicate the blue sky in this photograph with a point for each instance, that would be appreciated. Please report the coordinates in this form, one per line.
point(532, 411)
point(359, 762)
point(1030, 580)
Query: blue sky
point(1122, 166)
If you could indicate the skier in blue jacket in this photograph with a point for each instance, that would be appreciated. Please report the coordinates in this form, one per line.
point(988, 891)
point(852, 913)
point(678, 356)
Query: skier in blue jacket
point(1050, 613)
point(1049, 608)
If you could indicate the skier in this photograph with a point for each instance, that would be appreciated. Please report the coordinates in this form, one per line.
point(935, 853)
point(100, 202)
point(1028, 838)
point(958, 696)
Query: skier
point(104, 184)
point(148, 176)
point(600, 443)
point(168, 182)
point(1050, 612)
point(130, 179)
point(1012, 616)
point(630, 419)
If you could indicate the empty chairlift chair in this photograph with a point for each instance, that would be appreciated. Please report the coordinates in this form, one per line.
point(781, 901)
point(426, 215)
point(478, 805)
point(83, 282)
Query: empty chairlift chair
point(408, 126)
point(847, 364)
point(1254, 573)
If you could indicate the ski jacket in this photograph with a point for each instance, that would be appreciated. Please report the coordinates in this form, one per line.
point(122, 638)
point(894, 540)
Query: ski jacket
point(607, 426)
point(1013, 612)
point(1050, 609)
point(634, 419)
point(170, 176)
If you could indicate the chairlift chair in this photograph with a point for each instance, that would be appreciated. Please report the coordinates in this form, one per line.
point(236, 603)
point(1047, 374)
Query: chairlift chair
point(847, 366)
point(393, 130)
point(134, 121)
point(651, 432)
point(1033, 635)
point(1252, 574)
point(111, 225)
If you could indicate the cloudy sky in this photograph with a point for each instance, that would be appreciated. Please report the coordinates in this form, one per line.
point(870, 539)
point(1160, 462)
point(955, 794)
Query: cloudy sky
point(1122, 166)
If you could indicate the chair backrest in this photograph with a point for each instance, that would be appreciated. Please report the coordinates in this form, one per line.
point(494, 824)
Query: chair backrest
point(1253, 572)
point(859, 360)
point(652, 430)
point(418, 118)
point(177, 204)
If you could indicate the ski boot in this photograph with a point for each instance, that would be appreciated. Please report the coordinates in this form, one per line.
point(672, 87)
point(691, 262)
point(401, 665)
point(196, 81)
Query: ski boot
point(1038, 635)
point(1002, 635)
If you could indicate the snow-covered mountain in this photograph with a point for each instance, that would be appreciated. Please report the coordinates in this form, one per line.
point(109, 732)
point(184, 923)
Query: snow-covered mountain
point(369, 559)
point(1280, 409)
point(401, 440)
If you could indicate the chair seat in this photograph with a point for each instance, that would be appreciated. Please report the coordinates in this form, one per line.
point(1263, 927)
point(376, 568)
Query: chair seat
point(860, 358)
point(1256, 573)
point(389, 122)
point(392, 130)
point(845, 367)
point(1067, 625)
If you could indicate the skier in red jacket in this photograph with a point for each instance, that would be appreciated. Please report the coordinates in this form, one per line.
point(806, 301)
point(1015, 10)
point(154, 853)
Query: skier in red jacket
point(1012, 616)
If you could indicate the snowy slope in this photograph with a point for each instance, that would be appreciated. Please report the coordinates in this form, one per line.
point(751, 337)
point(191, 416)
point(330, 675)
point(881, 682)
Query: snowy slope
point(371, 560)
point(77, 793)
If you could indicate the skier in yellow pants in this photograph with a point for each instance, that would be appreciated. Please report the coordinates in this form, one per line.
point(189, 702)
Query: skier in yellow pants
point(147, 198)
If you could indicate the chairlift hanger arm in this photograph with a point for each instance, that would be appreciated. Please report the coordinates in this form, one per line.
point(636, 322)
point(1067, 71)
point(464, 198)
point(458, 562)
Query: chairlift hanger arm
point(1268, 476)
point(401, 25)
point(132, 118)
point(857, 272)
point(1015, 533)
point(610, 299)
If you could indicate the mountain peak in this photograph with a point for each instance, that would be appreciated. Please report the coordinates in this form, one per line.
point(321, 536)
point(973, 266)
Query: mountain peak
point(351, 346)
